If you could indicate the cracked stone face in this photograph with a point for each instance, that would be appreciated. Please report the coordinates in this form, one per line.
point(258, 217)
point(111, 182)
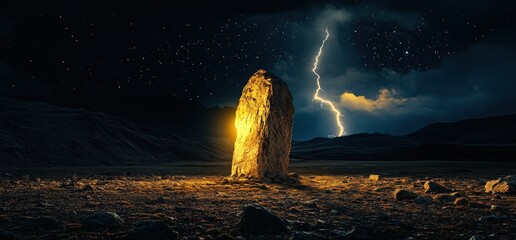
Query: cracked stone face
point(264, 119)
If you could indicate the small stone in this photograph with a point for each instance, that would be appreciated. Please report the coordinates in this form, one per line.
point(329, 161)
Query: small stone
point(433, 187)
point(456, 194)
point(333, 211)
point(102, 220)
point(444, 198)
point(495, 208)
point(461, 201)
point(257, 220)
point(424, 200)
point(400, 195)
point(374, 177)
point(294, 175)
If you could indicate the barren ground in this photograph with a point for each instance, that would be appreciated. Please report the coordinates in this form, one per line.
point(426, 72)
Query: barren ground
point(333, 198)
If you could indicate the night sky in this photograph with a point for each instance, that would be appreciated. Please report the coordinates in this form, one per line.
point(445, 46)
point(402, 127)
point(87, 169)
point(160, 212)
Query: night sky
point(390, 66)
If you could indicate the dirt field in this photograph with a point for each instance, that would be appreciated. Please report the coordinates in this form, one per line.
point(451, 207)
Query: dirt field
point(332, 199)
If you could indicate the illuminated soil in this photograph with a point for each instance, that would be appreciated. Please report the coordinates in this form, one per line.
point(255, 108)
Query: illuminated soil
point(333, 198)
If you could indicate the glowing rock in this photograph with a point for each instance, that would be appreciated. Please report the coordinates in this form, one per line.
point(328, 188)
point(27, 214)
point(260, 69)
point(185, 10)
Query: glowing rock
point(263, 121)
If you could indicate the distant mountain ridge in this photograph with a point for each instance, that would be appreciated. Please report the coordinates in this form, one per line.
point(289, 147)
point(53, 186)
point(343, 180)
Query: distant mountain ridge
point(472, 139)
point(39, 134)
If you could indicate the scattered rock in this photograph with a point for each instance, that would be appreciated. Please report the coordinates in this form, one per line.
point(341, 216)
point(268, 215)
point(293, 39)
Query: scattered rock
point(102, 220)
point(444, 198)
point(457, 194)
point(489, 219)
point(495, 208)
point(263, 119)
point(502, 185)
point(294, 175)
point(257, 220)
point(374, 177)
point(153, 230)
point(400, 195)
point(424, 200)
point(461, 201)
point(433, 187)
point(42, 223)
point(302, 235)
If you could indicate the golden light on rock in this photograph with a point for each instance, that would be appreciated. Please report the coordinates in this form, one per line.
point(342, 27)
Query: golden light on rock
point(263, 121)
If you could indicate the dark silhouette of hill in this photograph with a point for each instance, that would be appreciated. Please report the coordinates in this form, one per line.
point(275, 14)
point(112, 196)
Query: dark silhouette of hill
point(39, 134)
point(148, 130)
point(474, 139)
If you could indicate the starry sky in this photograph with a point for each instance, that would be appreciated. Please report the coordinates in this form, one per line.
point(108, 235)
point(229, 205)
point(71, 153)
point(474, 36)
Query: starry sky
point(389, 66)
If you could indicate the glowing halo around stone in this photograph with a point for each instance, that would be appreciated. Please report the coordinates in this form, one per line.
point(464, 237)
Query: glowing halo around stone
point(337, 113)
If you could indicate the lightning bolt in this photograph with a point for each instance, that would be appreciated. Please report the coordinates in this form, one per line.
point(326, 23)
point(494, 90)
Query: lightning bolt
point(319, 89)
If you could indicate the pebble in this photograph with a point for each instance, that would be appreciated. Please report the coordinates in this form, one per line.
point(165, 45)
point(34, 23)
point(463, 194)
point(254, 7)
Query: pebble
point(374, 177)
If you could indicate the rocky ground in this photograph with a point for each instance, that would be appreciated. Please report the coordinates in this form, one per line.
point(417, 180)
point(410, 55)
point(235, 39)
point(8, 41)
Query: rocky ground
point(414, 201)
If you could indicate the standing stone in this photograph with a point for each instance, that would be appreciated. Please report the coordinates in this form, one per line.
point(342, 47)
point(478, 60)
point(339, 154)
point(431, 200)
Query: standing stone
point(263, 121)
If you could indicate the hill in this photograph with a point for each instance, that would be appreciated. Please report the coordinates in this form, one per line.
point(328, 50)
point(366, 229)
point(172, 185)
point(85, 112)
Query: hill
point(473, 139)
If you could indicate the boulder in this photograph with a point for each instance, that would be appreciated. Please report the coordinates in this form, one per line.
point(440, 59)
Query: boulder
point(257, 220)
point(263, 120)
point(502, 185)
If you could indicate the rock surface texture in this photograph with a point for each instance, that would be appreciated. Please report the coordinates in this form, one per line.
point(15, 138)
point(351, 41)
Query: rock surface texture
point(502, 185)
point(264, 118)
